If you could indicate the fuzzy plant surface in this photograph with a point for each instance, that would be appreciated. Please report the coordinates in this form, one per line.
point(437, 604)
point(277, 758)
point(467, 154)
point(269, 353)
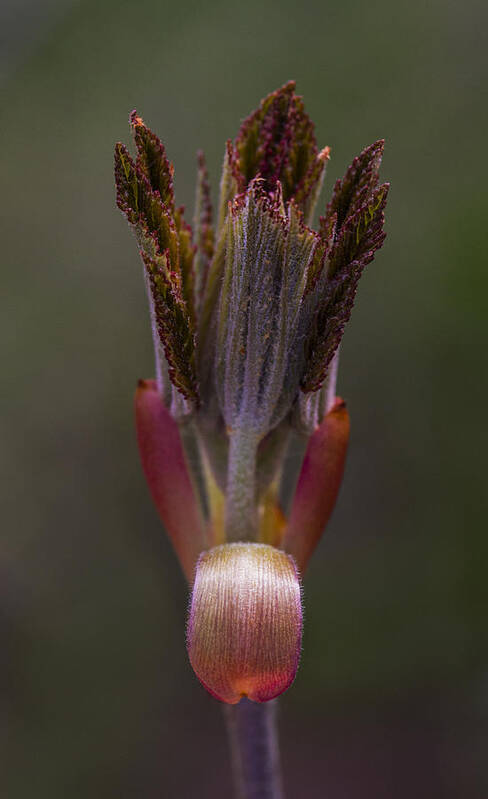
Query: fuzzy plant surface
point(248, 308)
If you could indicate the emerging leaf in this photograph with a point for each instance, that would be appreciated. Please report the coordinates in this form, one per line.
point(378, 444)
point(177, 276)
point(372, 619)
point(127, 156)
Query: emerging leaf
point(352, 231)
point(356, 186)
point(257, 353)
point(153, 163)
point(246, 325)
point(152, 160)
point(230, 184)
point(173, 325)
point(277, 142)
point(145, 196)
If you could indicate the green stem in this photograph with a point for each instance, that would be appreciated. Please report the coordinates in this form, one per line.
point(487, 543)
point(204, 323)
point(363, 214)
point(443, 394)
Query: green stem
point(193, 457)
point(241, 519)
point(254, 750)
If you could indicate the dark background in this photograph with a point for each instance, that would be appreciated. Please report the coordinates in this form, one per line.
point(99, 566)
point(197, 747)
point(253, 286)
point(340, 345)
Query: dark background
point(97, 697)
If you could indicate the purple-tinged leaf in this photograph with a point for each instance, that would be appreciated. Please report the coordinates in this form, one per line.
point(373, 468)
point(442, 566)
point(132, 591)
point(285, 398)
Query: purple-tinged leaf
point(152, 221)
point(131, 185)
point(186, 256)
point(266, 259)
point(152, 160)
point(230, 185)
point(356, 186)
point(277, 142)
point(167, 250)
point(360, 235)
point(153, 163)
point(263, 139)
point(316, 266)
point(309, 188)
point(173, 324)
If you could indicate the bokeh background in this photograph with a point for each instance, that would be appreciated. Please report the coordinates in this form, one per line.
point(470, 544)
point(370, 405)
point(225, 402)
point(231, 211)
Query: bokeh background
point(97, 698)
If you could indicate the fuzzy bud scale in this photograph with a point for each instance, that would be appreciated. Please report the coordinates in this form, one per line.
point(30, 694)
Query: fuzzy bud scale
point(245, 624)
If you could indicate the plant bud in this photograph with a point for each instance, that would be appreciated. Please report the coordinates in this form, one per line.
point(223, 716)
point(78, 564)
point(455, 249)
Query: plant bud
point(245, 625)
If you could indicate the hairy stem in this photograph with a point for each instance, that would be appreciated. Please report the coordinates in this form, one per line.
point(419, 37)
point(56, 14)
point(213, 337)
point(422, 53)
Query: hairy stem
point(254, 749)
point(193, 457)
point(332, 380)
point(240, 512)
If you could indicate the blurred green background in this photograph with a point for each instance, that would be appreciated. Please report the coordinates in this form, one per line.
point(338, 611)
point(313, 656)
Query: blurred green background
point(97, 697)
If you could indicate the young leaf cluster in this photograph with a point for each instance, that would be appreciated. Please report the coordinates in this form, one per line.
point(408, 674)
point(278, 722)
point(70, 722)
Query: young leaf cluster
point(251, 311)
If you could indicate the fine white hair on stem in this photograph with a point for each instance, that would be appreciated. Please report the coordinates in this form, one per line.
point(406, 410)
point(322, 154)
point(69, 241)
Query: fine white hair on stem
point(332, 381)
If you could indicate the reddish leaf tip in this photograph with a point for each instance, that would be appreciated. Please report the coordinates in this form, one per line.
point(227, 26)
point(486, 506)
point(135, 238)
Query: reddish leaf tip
point(146, 384)
point(135, 119)
point(339, 405)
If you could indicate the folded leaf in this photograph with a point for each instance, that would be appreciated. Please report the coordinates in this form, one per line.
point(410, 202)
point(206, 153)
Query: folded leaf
point(352, 232)
point(173, 324)
point(356, 186)
point(145, 196)
point(258, 353)
point(277, 143)
point(152, 160)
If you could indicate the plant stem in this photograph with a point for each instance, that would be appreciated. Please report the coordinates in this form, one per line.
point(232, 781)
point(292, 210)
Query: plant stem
point(332, 380)
point(240, 512)
point(193, 457)
point(254, 749)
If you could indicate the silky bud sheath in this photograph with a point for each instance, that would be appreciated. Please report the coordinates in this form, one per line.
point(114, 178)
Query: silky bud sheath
point(245, 624)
